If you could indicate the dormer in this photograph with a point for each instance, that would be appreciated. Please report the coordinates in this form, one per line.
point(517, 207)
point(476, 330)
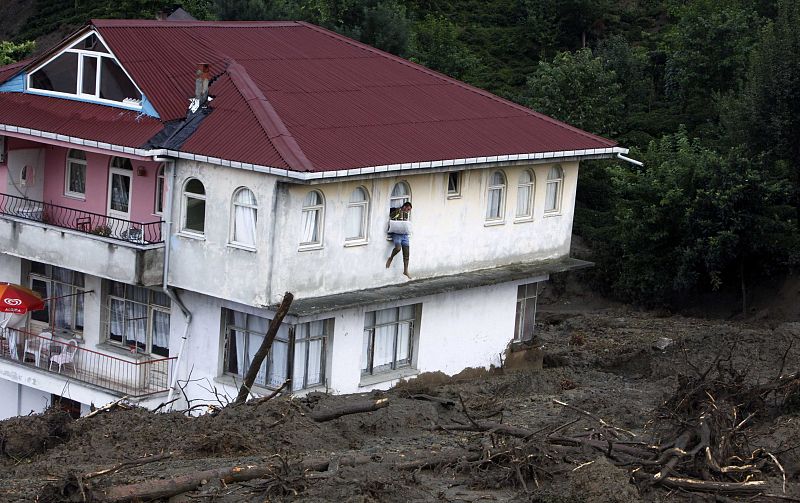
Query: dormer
point(87, 71)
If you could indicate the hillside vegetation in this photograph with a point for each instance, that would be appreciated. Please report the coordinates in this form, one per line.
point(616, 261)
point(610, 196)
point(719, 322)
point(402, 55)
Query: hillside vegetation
point(706, 93)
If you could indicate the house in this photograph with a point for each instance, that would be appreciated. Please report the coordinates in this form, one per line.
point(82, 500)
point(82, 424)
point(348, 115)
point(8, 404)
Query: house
point(163, 183)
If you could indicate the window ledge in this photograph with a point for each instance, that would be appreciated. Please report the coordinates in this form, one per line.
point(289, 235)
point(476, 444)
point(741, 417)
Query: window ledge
point(492, 223)
point(356, 242)
point(107, 347)
point(369, 380)
point(522, 220)
point(453, 196)
point(553, 214)
point(311, 247)
point(76, 196)
point(192, 235)
point(238, 246)
point(236, 382)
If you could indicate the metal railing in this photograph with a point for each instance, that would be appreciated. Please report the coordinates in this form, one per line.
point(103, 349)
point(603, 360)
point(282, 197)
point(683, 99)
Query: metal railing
point(79, 220)
point(68, 358)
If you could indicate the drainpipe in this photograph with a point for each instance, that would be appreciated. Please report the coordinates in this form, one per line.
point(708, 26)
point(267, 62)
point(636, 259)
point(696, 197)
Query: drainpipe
point(628, 159)
point(169, 177)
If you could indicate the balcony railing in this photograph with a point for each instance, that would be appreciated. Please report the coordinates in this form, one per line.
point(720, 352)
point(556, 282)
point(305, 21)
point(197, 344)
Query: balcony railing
point(83, 221)
point(131, 378)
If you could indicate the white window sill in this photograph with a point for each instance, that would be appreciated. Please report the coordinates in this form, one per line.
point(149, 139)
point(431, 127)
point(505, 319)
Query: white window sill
point(235, 381)
point(523, 220)
point(76, 196)
point(453, 196)
point(553, 214)
point(310, 247)
point(369, 380)
point(242, 247)
point(109, 347)
point(492, 223)
point(356, 242)
point(192, 235)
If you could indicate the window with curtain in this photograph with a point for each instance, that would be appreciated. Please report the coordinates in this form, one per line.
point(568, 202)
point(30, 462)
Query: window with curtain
point(245, 216)
point(401, 193)
point(552, 199)
point(496, 197)
point(138, 318)
point(312, 219)
point(194, 206)
point(244, 334)
point(75, 178)
point(64, 288)
point(310, 343)
point(526, 311)
point(159, 195)
point(525, 195)
point(388, 339)
point(357, 214)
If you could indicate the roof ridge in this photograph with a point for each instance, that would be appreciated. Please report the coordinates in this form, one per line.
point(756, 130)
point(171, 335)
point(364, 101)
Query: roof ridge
point(176, 23)
point(457, 82)
point(268, 118)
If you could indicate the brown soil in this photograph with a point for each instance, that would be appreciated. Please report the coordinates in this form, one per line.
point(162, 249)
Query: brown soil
point(602, 361)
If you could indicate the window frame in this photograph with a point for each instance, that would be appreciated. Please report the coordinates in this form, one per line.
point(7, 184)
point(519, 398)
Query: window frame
point(73, 289)
point(185, 205)
point(559, 183)
point(523, 298)
point(531, 185)
point(369, 332)
point(319, 209)
point(503, 189)
point(459, 178)
point(160, 190)
point(151, 308)
point(234, 204)
point(138, 105)
point(325, 337)
point(68, 173)
point(400, 200)
point(363, 236)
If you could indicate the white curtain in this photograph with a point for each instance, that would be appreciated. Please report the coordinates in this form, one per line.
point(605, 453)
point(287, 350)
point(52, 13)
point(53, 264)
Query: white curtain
point(551, 196)
point(495, 200)
point(315, 374)
point(524, 201)
point(117, 316)
point(403, 341)
point(310, 225)
point(240, 335)
point(365, 350)
point(279, 360)
point(244, 220)
point(355, 220)
point(257, 330)
point(161, 331)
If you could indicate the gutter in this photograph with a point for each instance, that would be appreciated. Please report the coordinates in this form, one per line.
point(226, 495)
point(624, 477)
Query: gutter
point(170, 177)
point(307, 176)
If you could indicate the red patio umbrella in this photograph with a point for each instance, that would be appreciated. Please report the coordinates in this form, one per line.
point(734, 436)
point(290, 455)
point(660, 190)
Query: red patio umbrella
point(18, 299)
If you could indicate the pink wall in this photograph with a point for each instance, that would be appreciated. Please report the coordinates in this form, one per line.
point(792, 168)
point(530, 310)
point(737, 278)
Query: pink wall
point(97, 169)
point(13, 144)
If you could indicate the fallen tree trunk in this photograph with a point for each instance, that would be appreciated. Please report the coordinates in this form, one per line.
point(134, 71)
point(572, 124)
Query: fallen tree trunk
point(322, 414)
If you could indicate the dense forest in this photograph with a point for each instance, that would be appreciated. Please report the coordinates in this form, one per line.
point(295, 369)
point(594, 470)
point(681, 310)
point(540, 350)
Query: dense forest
point(706, 93)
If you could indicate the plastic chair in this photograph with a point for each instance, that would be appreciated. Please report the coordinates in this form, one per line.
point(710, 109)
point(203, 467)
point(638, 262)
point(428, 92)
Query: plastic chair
point(66, 357)
point(36, 346)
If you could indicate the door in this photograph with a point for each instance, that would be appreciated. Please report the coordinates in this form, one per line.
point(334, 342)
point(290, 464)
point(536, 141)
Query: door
point(119, 196)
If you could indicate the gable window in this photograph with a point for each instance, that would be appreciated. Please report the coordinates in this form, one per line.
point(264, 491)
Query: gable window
point(194, 206)
point(159, 196)
point(64, 288)
point(310, 343)
point(525, 196)
point(401, 193)
point(244, 334)
point(86, 70)
point(526, 311)
point(76, 174)
point(388, 339)
point(496, 197)
point(454, 184)
point(138, 318)
point(552, 199)
point(313, 215)
point(245, 215)
point(357, 213)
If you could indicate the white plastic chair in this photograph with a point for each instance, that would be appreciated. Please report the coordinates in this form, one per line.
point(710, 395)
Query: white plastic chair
point(37, 345)
point(66, 357)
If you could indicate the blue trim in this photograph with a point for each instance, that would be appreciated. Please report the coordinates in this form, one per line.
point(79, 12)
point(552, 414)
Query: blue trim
point(15, 84)
point(148, 109)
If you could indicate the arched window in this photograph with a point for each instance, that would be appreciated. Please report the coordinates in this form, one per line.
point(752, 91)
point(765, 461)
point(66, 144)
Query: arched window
point(357, 212)
point(401, 193)
point(552, 199)
point(525, 195)
point(159, 196)
point(313, 215)
point(496, 197)
point(245, 216)
point(194, 206)
point(75, 179)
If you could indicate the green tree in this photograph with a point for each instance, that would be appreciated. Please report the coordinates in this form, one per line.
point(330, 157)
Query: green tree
point(11, 52)
point(435, 44)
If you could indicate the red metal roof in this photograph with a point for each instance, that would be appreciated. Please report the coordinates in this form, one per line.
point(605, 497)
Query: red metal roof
point(8, 71)
point(292, 95)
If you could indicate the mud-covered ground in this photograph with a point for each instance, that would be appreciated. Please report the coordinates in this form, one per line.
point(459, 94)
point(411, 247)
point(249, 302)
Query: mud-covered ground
point(602, 361)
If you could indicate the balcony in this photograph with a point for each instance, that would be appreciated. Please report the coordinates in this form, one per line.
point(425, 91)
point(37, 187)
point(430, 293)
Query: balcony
point(108, 247)
point(132, 378)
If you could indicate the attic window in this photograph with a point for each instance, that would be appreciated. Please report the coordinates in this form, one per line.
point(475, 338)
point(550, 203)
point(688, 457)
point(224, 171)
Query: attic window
point(86, 70)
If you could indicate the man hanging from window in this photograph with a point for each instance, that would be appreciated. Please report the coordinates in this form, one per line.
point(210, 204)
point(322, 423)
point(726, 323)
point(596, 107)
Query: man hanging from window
point(399, 229)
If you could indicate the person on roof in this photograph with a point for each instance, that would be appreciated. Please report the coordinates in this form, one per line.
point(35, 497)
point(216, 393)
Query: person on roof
point(399, 229)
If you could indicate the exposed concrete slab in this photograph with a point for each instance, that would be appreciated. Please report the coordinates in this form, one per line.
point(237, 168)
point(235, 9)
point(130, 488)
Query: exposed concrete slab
point(431, 286)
